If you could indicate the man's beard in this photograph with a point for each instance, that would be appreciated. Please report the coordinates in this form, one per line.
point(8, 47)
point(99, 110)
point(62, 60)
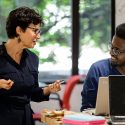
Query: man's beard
point(117, 64)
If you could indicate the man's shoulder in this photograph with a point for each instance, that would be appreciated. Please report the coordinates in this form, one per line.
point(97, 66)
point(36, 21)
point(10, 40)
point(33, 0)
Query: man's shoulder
point(102, 62)
point(101, 67)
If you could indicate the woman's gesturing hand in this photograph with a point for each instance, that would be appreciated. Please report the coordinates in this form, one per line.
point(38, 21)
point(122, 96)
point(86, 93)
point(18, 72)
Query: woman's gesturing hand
point(6, 84)
point(52, 88)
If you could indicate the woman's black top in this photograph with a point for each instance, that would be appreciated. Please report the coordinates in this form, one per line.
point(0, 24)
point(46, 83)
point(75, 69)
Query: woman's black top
point(15, 106)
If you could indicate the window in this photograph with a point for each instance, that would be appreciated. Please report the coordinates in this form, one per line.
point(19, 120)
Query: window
point(95, 32)
point(57, 45)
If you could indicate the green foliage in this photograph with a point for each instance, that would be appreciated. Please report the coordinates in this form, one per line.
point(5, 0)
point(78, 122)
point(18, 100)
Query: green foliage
point(95, 22)
point(50, 58)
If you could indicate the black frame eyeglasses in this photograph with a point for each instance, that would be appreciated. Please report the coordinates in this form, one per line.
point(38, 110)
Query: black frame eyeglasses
point(115, 51)
point(35, 30)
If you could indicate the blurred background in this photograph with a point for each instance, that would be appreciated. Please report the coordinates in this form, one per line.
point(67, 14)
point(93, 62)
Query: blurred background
point(75, 34)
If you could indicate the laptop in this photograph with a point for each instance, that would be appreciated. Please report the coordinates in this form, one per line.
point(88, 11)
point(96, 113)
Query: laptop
point(102, 99)
point(117, 99)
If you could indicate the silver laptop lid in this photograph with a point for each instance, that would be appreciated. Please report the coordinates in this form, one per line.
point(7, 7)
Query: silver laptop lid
point(102, 100)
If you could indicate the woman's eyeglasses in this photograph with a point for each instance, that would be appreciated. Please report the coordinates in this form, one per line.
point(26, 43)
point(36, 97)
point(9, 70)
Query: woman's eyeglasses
point(35, 30)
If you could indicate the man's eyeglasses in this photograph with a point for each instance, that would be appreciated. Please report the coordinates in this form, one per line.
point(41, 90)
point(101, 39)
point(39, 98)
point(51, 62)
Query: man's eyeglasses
point(35, 30)
point(115, 51)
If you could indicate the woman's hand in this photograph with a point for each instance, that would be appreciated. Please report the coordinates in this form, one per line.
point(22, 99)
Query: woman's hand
point(6, 84)
point(52, 88)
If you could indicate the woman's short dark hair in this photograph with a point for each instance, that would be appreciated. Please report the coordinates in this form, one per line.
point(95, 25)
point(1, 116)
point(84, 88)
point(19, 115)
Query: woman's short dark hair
point(22, 16)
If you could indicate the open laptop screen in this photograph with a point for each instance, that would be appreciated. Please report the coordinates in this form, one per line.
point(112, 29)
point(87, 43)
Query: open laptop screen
point(117, 95)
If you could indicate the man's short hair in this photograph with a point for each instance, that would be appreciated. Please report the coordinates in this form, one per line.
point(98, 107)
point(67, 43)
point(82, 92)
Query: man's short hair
point(120, 31)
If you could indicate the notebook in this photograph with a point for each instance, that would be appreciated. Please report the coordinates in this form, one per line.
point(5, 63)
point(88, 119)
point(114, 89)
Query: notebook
point(117, 99)
point(102, 100)
point(83, 119)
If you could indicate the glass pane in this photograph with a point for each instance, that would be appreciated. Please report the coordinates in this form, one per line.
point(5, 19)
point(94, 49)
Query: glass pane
point(95, 32)
point(55, 43)
point(54, 47)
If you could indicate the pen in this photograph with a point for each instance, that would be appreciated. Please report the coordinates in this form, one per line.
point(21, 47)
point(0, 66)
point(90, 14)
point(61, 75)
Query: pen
point(61, 82)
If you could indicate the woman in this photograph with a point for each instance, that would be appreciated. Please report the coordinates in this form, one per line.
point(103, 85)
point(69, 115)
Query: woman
point(20, 65)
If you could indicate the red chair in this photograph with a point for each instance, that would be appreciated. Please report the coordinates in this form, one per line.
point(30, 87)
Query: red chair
point(72, 81)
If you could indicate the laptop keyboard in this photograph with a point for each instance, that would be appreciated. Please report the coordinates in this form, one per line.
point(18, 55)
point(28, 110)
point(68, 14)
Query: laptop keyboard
point(118, 118)
point(121, 117)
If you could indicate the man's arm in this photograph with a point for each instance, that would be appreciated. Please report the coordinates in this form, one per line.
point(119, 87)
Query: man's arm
point(89, 91)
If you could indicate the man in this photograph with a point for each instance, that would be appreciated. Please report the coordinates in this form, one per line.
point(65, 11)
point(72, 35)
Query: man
point(111, 66)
